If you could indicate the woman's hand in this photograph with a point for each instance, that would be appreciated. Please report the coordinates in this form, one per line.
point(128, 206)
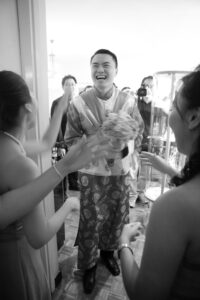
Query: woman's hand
point(155, 161)
point(66, 98)
point(158, 163)
point(130, 232)
point(87, 150)
point(148, 158)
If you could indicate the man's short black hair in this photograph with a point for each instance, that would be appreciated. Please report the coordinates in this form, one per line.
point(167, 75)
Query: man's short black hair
point(150, 77)
point(68, 77)
point(125, 88)
point(105, 51)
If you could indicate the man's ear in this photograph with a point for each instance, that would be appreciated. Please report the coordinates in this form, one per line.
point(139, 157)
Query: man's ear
point(194, 118)
point(28, 106)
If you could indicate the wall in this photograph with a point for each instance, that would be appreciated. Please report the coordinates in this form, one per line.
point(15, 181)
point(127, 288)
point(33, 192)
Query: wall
point(9, 36)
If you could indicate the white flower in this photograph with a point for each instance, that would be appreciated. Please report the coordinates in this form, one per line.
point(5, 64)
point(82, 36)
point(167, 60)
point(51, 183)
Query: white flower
point(120, 126)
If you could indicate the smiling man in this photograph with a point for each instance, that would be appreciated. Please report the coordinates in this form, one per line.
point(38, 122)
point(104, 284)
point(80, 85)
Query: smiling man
point(104, 183)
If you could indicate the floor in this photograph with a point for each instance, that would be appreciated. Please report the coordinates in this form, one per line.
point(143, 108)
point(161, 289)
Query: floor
point(107, 286)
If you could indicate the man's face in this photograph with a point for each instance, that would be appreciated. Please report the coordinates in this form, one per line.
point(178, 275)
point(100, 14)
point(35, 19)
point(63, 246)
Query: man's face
point(149, 85)
point(69, 84)
point(103, 71)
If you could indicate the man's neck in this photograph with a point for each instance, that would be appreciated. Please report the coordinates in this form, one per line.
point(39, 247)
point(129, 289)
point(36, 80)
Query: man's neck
point(104, 94)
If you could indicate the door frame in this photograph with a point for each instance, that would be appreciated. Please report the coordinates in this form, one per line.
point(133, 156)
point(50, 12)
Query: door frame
point(34, 67)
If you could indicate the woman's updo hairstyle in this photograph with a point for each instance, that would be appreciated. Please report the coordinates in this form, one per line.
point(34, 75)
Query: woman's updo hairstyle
point(14, 93)
point(191, 93)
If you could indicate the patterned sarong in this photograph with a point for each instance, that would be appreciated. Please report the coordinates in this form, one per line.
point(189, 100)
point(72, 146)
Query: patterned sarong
point(104, 211)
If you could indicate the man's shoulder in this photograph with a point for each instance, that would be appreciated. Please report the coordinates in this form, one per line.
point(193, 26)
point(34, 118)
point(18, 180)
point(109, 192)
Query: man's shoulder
point(126, 98)
point(85, 98)
point(87, 94)
point(56, 100)
point(54, 104)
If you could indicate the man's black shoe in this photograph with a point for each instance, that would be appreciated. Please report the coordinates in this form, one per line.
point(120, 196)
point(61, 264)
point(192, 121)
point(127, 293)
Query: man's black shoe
point(111, 263)
point(89, 279)
point(142, 199)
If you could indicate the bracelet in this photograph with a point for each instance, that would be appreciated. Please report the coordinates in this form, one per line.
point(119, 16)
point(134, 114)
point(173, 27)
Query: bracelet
point(122, 246)
point(58, 172)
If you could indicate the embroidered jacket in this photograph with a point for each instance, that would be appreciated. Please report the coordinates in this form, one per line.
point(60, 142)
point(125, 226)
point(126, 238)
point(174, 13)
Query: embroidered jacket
point(86, 114)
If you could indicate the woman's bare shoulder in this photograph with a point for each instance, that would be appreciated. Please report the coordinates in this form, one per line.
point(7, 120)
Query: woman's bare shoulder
point(19, 171)
point(180, 202)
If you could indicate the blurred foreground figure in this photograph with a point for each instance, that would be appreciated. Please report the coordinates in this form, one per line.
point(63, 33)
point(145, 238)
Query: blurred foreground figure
point(170, 266)
point(24, 228)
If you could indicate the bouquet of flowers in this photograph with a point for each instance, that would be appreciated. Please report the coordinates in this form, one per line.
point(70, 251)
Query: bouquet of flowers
point(120, 127)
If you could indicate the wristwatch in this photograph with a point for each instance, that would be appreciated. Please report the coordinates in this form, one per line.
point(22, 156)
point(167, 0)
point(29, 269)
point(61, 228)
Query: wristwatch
point(122, 246)
point(124, 152)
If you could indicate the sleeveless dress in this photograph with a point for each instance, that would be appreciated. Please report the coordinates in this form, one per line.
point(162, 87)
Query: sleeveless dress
point(22, 274)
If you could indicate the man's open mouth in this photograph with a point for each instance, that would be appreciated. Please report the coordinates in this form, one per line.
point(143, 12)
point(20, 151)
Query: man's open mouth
point(99, 77)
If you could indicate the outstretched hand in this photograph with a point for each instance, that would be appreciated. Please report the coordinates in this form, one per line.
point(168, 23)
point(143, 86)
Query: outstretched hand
point(87, 150)
point(155, 161)
point(148, 157)
point(158, 163)
point(65, 100)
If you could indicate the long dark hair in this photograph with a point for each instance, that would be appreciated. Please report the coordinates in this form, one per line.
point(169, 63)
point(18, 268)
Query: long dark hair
point(14, 93)
point(191, 93)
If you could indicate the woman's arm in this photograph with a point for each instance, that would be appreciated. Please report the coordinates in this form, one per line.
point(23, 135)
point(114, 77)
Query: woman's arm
point(74, 130)
point(39, 229)
point(166, 241)
point(128, 264)
point(44, 229)
point(158, 163)
point(49, 138)
point(18, 202)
